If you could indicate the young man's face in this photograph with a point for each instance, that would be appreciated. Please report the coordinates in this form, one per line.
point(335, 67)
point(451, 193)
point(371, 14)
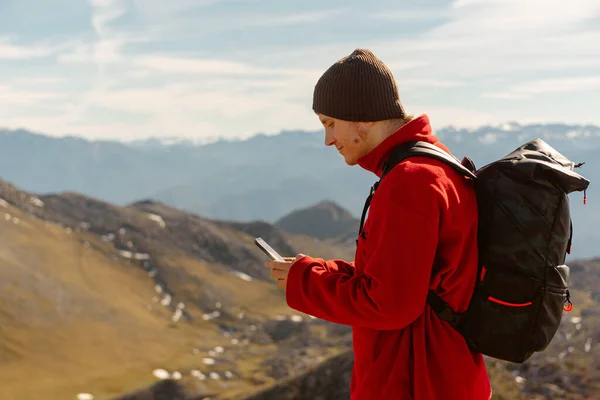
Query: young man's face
point(348, 137)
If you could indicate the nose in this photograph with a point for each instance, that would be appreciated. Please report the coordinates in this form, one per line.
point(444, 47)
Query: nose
point(329, 137)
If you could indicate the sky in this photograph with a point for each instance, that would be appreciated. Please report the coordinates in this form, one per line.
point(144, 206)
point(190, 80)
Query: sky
point(201, 69)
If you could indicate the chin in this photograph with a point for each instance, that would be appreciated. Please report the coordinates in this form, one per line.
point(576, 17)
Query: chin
point(350, 161)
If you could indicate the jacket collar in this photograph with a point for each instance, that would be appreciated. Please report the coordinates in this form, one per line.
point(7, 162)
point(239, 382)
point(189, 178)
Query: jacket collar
point(416, 129)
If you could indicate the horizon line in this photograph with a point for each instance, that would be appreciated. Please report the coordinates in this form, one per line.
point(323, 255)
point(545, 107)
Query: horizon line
point(242, 138)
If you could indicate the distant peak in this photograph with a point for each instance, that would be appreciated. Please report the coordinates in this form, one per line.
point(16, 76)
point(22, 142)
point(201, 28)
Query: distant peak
point(146, 202)
point(325, 219)
point(327, 204)
point(150, 205)
point(168, 141)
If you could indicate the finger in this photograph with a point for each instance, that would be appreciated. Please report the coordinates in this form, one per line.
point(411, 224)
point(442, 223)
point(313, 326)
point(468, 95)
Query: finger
point(278, 274)
point(299, 256)
point(289, 258)
point(282, 283)
point(277, 265)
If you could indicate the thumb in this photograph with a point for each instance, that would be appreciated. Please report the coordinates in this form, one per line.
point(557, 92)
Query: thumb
point(299, 256)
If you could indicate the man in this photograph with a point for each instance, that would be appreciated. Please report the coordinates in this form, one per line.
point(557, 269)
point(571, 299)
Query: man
point(420, 234)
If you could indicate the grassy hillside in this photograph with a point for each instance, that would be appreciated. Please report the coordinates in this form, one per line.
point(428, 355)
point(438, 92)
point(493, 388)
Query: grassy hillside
point(94, 298)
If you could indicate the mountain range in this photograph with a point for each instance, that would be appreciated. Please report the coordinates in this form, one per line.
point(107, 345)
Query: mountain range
point(266, 176)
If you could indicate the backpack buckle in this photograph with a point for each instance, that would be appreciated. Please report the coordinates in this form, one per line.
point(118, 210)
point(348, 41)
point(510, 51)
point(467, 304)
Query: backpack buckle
point(450, 316)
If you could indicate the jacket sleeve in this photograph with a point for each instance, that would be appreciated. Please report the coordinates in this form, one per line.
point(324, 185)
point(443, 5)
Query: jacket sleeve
point(339, 266)
point(392, 291)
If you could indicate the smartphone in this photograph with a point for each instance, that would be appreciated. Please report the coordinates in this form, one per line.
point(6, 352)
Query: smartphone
point(268, 249)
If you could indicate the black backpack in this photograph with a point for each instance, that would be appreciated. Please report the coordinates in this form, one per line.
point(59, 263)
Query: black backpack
point(524, 234)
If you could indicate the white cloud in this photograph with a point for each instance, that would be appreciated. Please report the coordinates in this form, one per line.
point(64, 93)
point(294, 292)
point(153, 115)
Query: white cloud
point(107, 49)
point(469, 3)
point(434, 83)
point(10, 96)
point(288, 19)
point(109, 44)
point(163, 10)
point(511, 35)
point(105, 11)
point(20, 103)
point(517, 16)
point(104, 51)
point(483, 42)
point(504, 96)
point(36, 80)
point(11, 51)
point(456, 116)
point(218, 70)
point(571, 84)
point(410, 15)
point(197, 66)
point(181, 27)
point(522, 30)
point(402, 65)
point(204, 94)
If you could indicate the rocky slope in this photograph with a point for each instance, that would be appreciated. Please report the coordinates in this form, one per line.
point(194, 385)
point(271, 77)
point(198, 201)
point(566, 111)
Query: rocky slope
point(329, 380)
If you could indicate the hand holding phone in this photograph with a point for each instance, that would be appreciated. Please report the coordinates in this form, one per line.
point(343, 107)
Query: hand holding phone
point(268, 250)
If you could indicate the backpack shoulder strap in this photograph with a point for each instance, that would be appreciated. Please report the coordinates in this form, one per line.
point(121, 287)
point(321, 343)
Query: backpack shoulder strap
point(419, 148)
point(416, 148)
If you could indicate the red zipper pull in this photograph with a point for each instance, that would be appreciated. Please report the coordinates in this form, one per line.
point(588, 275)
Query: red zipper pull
point(568, 306)
point(584, 196)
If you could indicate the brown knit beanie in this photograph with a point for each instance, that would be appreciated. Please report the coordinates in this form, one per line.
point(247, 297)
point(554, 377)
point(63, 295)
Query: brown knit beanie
point(360, 88)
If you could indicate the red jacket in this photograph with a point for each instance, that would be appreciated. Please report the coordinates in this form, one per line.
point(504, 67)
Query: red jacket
point(421, 234)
